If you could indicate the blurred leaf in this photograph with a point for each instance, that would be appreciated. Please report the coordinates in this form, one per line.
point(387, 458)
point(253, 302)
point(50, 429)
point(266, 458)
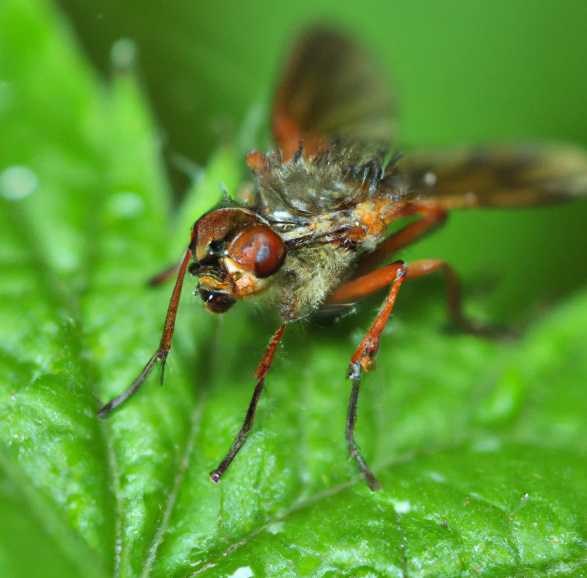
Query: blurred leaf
point(480, 446)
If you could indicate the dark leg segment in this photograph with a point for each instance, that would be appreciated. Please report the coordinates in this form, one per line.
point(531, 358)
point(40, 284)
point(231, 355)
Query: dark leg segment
point(351, 418)
point(260, 373)
point(242, 434)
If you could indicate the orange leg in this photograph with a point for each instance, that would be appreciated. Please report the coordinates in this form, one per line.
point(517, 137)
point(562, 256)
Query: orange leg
point(260, 374)
point(363, 359)
point(454, 298)
point(367, 281)
point(380, 278)
point(432, 220)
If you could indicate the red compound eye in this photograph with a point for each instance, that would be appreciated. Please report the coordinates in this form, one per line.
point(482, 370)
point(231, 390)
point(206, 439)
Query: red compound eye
point(258, 250)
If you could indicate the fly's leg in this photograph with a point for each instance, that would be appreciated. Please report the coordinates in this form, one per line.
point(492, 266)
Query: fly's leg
point(432, 219)
point(260, 374)
point(351, 418)
point(363, 359)
point(164, 345)
point(165, 275)
point(454, 299)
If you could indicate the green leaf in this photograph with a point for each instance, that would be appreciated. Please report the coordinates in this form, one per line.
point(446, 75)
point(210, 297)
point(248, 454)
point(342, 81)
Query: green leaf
point(480, 446)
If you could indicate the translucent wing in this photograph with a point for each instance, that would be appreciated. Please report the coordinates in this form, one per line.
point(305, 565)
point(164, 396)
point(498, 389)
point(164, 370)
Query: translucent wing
point(330, 88)
point(499, 176)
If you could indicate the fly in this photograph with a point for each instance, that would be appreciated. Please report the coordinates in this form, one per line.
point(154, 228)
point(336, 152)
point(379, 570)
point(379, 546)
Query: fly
point(314, 236)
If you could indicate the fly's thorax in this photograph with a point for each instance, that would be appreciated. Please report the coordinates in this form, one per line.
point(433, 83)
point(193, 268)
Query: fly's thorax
point(323, 176)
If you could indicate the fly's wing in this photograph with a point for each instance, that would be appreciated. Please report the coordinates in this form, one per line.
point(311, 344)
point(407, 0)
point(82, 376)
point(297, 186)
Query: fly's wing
point(499, 176)
point(331, 89)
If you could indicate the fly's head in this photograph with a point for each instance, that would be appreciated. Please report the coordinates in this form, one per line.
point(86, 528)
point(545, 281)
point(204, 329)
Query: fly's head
point(236, 254)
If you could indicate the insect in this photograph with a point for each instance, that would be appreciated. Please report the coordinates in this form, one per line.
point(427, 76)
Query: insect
point(315, 237)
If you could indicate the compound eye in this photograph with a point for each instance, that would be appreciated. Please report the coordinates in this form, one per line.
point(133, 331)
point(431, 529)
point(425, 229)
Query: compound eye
point(216, 301)
point(258, 249)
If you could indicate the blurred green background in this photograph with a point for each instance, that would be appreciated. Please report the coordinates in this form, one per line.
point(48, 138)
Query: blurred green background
point(464, 72)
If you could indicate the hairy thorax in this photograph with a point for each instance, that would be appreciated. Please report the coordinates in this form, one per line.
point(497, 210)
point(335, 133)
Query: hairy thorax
point(328, 220)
